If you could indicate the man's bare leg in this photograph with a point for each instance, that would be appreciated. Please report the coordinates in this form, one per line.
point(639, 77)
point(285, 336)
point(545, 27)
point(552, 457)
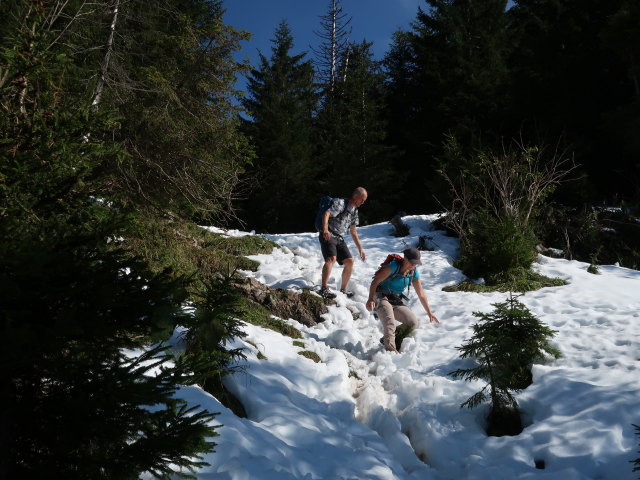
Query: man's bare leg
point(346, 272)
point(326, 270)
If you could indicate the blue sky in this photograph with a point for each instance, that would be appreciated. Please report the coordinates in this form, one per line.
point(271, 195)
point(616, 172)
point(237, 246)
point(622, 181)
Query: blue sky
point(372, 20)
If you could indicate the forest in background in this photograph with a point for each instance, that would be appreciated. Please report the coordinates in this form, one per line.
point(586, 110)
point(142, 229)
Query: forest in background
point(119, 125)
point(556, 75)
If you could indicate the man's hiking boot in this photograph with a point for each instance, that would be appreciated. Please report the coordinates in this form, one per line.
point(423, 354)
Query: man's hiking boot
point(326, 293)
point(348, 293)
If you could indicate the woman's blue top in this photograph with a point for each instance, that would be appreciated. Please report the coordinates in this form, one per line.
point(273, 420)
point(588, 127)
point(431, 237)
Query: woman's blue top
point(398, 283)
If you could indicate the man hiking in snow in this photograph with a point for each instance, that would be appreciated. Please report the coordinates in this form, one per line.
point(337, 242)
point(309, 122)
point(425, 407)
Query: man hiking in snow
point(386, 294)
point(340, 216)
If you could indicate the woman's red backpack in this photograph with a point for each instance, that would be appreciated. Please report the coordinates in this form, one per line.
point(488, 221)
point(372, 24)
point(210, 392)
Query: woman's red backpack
point(390, 258)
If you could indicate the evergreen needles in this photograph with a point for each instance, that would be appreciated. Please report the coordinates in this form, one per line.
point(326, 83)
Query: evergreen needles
point(86, 392)
point(505, 343)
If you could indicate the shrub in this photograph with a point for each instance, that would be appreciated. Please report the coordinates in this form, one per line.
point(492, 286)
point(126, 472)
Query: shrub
point(496, 249)
point(601, 236)
point(494, 199)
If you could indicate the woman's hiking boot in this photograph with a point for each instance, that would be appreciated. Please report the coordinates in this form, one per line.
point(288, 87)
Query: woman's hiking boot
point(394, 343)
point(388, 344)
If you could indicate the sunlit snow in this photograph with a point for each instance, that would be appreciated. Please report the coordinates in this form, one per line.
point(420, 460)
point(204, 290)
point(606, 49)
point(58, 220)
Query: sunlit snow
point(364, 413)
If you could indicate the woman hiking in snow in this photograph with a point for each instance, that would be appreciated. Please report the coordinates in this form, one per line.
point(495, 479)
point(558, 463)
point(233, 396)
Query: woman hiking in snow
point(386, 294)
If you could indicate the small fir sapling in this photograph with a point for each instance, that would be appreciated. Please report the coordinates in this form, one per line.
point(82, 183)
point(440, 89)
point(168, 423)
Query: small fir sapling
point(505, 344)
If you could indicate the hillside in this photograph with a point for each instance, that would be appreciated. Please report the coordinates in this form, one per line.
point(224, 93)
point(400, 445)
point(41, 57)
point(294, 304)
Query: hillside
point(363, 413)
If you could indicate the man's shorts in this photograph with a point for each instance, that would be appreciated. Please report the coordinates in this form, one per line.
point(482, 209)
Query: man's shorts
point(334, 247)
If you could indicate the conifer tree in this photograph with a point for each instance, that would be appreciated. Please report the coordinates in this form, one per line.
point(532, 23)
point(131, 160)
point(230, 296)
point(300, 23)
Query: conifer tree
point(566, 53)
point(169, 72)
point(622, 35)
point(460, 53)
point(77, 379)
point(351, 136)
point(505, 343)
point(399, 91)
point(559, 58)
point(281, 101)
point(448, 75)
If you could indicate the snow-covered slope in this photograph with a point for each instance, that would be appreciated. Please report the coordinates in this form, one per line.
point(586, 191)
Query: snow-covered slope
point(363, 413)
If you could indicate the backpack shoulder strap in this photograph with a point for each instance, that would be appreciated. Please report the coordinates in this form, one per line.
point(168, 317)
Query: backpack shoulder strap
point(395, 261)
point(397, 273)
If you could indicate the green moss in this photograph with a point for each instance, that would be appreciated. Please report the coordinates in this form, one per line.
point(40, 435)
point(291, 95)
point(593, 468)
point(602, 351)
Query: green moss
point(298, 344)
point(353, 374)
point(245, 245)
point(310, 355)
point(315, 304)
point(185, 249)
point(258, 315)
point(402, 332)
point(522, 281)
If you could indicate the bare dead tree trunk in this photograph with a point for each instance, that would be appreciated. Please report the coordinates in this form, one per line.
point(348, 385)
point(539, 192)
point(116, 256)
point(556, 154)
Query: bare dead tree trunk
point(346, 65)
point(335, 36)
point(334, 45)
point(363, 129)
point(107, 54)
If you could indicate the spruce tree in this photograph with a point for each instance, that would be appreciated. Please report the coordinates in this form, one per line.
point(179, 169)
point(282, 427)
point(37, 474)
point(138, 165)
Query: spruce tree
point(505, 344)
point(281, 101)
point(168, 72)
point(87, 393)
point(399, 91)
point(565, 53)
point(448, 75)
point(351, 137)
point(460, 51)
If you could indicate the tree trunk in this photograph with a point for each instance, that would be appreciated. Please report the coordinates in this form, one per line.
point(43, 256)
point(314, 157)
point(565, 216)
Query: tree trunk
point(105, 61)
